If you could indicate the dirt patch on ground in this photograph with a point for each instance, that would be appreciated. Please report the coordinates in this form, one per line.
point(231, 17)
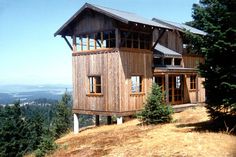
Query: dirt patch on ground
point(130, 139)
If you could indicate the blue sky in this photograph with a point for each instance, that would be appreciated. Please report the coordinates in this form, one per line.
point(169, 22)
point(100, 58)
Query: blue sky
point(29, 53)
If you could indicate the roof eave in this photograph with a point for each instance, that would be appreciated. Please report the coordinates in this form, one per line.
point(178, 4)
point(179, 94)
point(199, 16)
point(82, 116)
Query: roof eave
point(87, 5)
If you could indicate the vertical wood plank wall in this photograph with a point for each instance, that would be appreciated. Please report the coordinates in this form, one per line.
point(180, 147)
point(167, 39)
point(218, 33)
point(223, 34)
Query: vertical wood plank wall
point(134, 63)
point(105, 65)
point(115, 69)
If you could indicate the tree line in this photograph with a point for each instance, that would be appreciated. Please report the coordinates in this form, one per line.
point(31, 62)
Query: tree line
point(34, 128)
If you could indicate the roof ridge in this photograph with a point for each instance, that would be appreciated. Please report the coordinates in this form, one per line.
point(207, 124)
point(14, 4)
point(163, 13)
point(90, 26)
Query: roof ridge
point(111, 8)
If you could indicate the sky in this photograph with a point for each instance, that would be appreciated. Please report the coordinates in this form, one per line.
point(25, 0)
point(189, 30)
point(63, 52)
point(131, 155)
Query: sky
point(29, 52)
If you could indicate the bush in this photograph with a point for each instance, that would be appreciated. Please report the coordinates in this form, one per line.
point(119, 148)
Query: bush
point(46, 145)
point(155, 110)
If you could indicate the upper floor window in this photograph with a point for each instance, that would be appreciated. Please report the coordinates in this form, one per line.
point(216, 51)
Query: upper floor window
point(136, 84)
point(135, 40)
point(167, 61)
point(193, 82)
point(93, 41)
point(95, 84)
point(177, 61)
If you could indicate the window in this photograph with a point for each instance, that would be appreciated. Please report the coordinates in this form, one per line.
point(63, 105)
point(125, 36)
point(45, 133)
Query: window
point(177, 61)
point(136, 84)
point(157, 61)
point(95, 84)
point(135, 40)
point(167, 61)
point(193, 82)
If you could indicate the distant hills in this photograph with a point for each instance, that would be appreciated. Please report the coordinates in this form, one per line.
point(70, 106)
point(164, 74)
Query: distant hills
point(27, 93)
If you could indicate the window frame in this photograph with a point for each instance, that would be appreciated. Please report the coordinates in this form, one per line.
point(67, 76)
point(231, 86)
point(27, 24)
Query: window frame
point(96, 87)
point(138, 84)
point(193, 82)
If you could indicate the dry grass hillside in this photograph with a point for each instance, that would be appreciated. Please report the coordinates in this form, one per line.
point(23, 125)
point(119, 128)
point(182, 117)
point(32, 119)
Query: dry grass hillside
point(183, 137)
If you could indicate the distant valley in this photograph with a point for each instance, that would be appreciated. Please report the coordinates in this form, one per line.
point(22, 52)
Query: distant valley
point(28, 93)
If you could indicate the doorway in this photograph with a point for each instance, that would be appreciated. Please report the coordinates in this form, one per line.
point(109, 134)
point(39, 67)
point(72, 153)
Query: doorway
point(176, 89)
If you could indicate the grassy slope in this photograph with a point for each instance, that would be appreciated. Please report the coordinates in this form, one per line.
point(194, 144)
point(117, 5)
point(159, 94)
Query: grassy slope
point(130, 139)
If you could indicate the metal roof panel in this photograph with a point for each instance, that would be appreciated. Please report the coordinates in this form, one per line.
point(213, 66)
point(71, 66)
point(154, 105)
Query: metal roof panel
point(166, 52)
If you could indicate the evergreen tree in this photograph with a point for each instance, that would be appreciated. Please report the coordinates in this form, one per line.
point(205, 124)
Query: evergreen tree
point(13, 132)
point(36, 129)
point(155, 110)
point(218, 19)
point(63, 115)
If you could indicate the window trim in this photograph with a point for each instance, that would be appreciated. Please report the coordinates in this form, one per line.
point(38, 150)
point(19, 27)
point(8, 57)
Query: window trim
point(141, 85)
point(94, 86)
point(193, 82)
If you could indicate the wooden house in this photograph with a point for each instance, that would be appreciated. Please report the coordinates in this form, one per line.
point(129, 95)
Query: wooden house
point(116, 55)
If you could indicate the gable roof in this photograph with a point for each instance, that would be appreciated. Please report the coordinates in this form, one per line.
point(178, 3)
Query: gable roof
point(122, 16)
point(162, 51)
point(179, 26)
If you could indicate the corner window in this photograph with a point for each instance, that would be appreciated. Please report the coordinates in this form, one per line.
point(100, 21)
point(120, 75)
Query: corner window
point(193, 82)
point(95, 84)
point(136, 84)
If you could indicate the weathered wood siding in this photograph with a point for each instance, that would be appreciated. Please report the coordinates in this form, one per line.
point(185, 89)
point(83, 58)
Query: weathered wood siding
point(106, 65)
point(192, 61)
point(134, 62)
point(170, 39)
point(90, 22)
point(202, 92)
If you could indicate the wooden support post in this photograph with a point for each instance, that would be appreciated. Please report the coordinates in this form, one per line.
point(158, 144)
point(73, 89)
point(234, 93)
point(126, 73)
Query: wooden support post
point(81, 43)
point(109, 120)
point(119, 120)
point(74, 44)
point(173, 61)
point(102, 40)
point(68, 43)
point(197, 89)
point(117, 38)
point(95, 42)
point(158, 39)
point(76, 123)
point(97, 120)
point(88, 46)
point(167, 87)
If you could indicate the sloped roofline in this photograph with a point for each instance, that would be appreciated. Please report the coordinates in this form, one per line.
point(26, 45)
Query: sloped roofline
point(108, 13)
point(180, 27)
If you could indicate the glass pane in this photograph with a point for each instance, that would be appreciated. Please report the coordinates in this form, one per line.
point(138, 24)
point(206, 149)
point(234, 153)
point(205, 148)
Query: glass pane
point(91, 85)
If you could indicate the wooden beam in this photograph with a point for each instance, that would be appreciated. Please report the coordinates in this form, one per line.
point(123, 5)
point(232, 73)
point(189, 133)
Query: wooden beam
point(167, 87)
point(81, 43)
point(101, 39)
point(117, 38)
point(197, 88)
point(87, 44)
point(74, 44)
point(158, 39)
point(68, 43)
point(95, 42)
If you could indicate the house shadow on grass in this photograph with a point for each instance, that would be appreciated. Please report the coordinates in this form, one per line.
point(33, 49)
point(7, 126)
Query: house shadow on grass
point(225, 126)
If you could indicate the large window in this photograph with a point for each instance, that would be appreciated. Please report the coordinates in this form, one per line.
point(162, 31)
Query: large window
point(136, 84)
point(99, 40)
point(95, 84)
point(193, 82)
point(135, 40)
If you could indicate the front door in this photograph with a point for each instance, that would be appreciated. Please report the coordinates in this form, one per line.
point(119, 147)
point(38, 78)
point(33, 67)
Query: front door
point(176, 91)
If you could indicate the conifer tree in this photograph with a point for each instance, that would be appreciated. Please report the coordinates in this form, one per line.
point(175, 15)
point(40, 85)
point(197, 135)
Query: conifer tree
point(13, 132)
point(63, 115)
point(155, 110)
point(218, 19)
